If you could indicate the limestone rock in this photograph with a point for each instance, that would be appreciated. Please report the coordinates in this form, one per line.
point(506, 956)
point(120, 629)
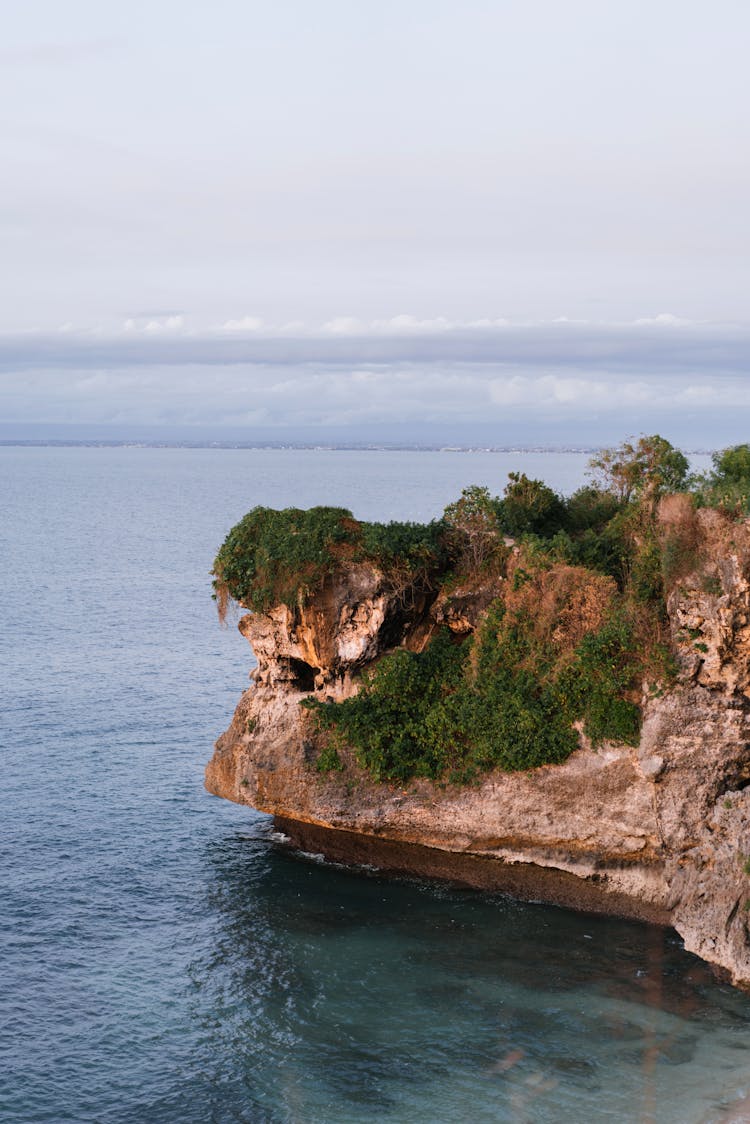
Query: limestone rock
point(660, 832)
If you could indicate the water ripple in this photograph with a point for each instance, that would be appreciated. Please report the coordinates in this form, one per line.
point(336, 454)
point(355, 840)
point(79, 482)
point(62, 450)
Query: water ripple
point(165, 960)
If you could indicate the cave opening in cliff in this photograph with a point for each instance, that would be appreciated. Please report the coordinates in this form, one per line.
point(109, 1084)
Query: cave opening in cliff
point(303, 674)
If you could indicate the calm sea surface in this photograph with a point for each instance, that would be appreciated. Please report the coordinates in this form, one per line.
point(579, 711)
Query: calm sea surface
point(164, 961)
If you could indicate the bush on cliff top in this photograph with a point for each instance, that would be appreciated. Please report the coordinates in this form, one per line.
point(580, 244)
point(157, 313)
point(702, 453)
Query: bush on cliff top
point(272, 557)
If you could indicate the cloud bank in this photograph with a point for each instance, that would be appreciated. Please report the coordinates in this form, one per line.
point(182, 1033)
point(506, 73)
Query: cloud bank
point(563, 378)
point(662, 344)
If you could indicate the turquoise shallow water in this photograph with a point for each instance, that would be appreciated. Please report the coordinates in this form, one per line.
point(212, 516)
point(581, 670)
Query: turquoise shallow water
point(164, 960)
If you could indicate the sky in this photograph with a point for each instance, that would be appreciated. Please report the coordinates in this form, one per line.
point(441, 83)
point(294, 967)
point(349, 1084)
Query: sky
point(516, 221)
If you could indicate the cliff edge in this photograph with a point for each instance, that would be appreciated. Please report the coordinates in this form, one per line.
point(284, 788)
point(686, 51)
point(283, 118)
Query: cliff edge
point(657, 830)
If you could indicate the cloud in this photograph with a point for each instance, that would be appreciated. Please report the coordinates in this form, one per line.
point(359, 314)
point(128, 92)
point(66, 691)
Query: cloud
point(159, 322)
point(640, 347)
point(404, 324)
point(159, 370)
point(665, 320)
point(313, 394)
point(561, 391)
point(244, 324)
point(608, 395)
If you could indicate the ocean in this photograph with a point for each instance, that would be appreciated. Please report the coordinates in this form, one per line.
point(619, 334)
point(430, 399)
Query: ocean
point(165, 961)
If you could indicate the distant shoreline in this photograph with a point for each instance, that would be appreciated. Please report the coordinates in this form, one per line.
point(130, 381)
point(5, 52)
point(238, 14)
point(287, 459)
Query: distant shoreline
point(276, 446)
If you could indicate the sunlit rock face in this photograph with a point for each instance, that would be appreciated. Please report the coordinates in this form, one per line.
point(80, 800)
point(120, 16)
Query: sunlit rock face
point(659, 832)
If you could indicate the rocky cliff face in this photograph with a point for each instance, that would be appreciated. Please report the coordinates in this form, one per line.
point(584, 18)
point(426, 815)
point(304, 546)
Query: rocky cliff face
point(660, 832)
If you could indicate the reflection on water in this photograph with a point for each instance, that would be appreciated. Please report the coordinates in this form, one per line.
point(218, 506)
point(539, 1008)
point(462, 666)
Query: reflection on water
point(340, 996)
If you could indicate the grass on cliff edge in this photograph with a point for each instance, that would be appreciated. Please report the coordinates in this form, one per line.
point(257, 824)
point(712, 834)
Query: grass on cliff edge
point(579, 626)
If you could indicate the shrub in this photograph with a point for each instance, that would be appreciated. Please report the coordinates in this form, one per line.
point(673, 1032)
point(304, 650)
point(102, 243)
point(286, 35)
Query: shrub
point(277, 557)
point(605, 668)
point(590, 508)
point(529, 507)
point(506, 699)
point(520, 719)
point(328, 760)
point(413, 542)
point(732, 464)
point(272, 556)
point(711, 583)
point(606, 551)
point(646, 573)
point(393, 724)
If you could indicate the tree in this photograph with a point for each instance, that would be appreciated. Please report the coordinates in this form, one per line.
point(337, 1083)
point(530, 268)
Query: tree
point(529, 507)
point(728, 485)
point(473, 523)
point(649, 468)
point(589, 507)
point(732, 465)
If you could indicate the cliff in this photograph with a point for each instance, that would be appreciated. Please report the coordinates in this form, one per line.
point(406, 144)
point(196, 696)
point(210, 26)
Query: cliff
point(659, 830)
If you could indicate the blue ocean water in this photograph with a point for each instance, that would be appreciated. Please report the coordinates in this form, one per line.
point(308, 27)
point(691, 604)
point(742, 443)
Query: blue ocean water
point(163, 960)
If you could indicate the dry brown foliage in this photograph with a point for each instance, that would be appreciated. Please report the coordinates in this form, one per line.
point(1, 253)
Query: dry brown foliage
point(720, 534)
point(677, 512)
point(223, 599)
point(678, 535)
point(563, 603)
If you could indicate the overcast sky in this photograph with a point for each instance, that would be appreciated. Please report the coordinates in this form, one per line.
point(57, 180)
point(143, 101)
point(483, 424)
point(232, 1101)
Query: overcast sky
point(525, 214)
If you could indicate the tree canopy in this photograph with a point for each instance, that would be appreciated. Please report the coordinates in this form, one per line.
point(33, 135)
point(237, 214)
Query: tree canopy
point(649, 467)
point(529, 507)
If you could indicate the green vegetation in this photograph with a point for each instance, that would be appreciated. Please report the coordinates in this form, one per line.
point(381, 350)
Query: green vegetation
point(727, 486)
point(577, 630)
point(529, 507)
point(393, 721)
point(512, 706)
point(474, 529)
point(277, 557)
point(329, 760)
point(272, 555)
point(649, 468)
